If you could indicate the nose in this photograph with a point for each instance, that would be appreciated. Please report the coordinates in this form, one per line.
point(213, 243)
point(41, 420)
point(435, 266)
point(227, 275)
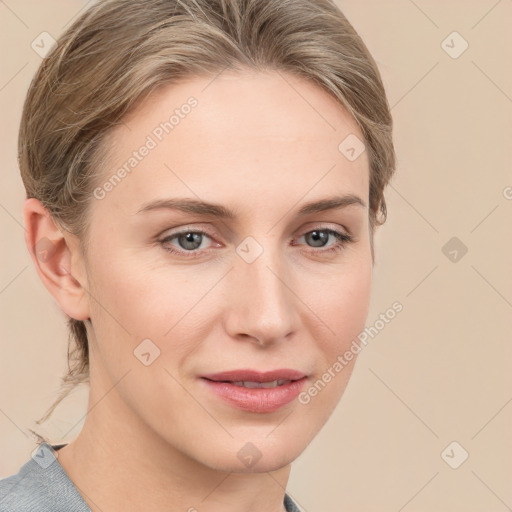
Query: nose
point(260, 304)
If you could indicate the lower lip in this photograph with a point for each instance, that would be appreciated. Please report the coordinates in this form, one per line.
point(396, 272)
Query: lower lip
point(257, 399)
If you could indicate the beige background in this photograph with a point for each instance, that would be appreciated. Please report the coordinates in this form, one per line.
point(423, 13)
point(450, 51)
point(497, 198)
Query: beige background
point(441, 370)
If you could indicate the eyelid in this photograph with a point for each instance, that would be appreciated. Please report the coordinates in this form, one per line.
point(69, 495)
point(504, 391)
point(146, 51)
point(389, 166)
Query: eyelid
point(312, 226)
point(186, 229)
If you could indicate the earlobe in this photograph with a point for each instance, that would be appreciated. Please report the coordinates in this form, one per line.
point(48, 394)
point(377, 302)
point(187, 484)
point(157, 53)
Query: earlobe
point(52, 253)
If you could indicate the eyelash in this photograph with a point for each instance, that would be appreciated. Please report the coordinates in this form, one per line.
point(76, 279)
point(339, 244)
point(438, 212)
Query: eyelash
point(342, 239)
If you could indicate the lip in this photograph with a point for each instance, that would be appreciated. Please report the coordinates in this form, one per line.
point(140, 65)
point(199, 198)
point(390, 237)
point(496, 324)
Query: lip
point(258, 400)
point(256, 376)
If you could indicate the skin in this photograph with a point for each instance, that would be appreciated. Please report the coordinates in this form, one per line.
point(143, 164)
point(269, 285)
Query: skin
point(262, 144)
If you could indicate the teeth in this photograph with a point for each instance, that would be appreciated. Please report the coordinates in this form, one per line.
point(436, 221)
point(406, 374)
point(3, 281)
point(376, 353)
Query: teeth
point(249, 384)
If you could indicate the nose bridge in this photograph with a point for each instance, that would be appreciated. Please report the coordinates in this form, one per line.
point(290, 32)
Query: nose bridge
point(264, 306)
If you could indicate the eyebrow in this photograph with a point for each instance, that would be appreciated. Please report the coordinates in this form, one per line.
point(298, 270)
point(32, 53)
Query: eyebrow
point(217, 210)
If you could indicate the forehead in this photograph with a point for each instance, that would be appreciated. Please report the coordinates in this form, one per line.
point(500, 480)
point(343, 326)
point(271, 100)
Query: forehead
point(237, 135)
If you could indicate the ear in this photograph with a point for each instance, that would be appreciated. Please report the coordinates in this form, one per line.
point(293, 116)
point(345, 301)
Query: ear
point(57, 258)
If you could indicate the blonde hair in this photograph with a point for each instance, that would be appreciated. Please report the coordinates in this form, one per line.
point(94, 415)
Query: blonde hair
point(119, 51)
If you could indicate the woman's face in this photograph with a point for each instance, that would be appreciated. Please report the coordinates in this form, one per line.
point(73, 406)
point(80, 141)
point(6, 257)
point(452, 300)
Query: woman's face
point(265, 288)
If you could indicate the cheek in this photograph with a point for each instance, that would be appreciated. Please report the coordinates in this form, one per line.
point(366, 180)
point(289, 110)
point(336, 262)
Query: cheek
point(135, 301)
point(341, 301)
point(350, 301)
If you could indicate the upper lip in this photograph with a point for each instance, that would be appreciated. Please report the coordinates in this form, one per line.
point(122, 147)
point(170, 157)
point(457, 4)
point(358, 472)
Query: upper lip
point(255, 376)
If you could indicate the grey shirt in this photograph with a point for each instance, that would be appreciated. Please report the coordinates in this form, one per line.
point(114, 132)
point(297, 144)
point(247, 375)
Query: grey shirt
point(42, 485)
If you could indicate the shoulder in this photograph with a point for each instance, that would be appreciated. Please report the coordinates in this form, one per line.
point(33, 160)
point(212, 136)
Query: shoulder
point(22, 491)
point(290, 505)
point(41, 484)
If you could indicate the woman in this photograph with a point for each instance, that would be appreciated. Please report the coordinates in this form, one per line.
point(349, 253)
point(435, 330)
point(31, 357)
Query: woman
point(204, 179)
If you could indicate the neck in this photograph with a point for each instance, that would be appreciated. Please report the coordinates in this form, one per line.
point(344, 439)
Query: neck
point(119, 464)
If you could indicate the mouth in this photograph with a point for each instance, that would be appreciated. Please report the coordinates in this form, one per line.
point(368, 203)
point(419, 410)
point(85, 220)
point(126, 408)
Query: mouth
point(252, 384)
point(256, 391)
point(256, 379)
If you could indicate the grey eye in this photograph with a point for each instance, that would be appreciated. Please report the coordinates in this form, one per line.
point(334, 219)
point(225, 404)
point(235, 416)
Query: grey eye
point(318, 237)
point(190, 240)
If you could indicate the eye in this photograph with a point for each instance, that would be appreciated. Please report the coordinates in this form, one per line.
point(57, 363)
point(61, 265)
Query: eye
point(188, 242)
point(319, 238)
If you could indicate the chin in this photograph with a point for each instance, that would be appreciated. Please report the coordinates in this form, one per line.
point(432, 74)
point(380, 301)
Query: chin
point(259, 454)
point(227, 464)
